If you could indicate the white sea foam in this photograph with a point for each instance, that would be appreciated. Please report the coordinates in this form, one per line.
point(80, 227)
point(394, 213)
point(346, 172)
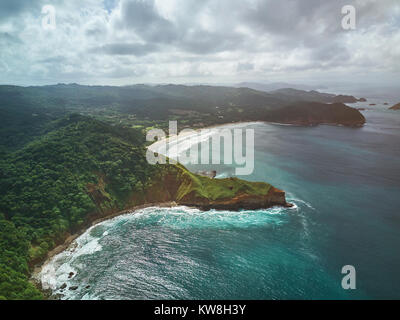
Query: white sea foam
point(293, 200)
point(56, 272)
point(222, 175)
point(185, 217)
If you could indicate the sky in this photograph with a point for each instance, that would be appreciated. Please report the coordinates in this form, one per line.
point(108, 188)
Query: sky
point(119, 42)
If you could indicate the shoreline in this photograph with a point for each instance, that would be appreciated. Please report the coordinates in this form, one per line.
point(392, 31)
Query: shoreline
point(198, 130)
point(37, 267)
point(167, 139)
point(34, 277)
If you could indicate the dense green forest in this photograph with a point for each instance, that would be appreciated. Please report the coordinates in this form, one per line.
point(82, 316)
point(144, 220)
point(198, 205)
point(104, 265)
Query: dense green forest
point(14, 257)
point(82, 168)
point(44, 189)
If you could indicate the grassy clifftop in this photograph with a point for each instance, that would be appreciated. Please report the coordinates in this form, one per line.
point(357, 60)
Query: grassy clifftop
point(213, 190)
point(186, 188)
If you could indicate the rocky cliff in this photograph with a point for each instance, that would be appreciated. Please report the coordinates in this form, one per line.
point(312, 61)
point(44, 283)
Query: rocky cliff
point(176, 183)
point(241, 200)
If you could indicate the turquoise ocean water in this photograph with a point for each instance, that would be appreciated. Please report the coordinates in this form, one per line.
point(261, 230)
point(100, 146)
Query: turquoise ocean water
point(345, 184)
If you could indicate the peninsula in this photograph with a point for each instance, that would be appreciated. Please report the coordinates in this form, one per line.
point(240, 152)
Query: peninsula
point(82, 171)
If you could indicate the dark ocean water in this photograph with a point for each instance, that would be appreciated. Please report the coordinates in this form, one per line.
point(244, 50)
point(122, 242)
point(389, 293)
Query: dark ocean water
point(346, 186)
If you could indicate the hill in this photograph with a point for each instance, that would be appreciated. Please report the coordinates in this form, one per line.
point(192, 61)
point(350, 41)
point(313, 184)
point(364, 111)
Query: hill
point(294, 95)
point(81, 170)
point(29, 109)
point(313, 113)
point(272, 86)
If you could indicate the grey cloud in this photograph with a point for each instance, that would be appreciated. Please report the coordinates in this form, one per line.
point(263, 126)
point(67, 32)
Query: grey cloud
point(118, 72)
point(94, 32)
point(315, 25)
point(288, 24)
point(312, 22)
point(134, 49)
point(245, 67)
point(296, 19)
point(143, 18)
point(229, 37)
point(204, 42)
point(147, 23)
point(330, 52)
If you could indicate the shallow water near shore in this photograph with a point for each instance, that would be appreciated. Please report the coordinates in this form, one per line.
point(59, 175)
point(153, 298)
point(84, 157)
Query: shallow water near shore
point(345, 184)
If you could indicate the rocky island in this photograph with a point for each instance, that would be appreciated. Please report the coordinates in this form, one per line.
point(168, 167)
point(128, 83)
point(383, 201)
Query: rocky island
point(395, 107)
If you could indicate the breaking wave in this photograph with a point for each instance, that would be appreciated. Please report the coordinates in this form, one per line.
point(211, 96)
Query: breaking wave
point(59, 274)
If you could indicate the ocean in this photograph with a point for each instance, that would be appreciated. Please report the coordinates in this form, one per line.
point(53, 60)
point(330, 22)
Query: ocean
point(345, 184)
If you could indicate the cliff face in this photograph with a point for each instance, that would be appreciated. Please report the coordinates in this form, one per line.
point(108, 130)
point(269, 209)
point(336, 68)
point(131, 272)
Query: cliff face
point(274, 197)
point(313, 113)
point(177, 184)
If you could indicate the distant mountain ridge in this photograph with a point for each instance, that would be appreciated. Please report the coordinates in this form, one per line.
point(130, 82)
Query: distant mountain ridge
point(201, 96)
point(272, 86)
point(68, 94)
point(25, 111)
point(313, 96)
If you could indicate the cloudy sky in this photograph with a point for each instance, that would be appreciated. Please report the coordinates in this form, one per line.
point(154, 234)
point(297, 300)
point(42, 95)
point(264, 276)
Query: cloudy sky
point(198, 41)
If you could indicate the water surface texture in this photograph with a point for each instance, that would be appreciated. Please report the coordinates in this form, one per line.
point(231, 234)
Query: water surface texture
point(345, 184)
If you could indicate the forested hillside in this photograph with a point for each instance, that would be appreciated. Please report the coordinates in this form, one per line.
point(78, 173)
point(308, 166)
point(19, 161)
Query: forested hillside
point(45, 187)
point(30, 108)
point(82, 169)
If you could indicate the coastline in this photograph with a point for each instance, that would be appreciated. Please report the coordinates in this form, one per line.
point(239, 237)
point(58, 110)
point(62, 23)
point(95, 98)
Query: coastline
point(35, 277)
point(38, 266)
point(168, 138)
point(154, 146)
point(70, 239)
